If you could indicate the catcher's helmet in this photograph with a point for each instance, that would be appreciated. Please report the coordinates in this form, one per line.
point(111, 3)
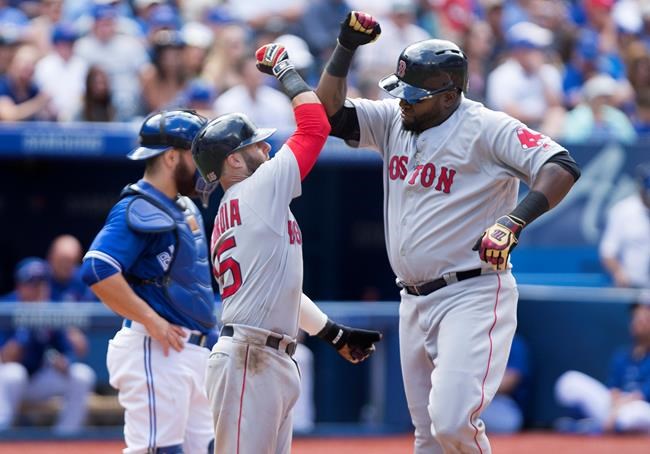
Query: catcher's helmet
point(421, 67)
point(221, 137)
point(161, 131)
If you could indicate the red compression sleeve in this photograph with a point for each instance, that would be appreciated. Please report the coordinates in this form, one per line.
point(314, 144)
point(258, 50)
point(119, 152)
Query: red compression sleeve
point(307, 141)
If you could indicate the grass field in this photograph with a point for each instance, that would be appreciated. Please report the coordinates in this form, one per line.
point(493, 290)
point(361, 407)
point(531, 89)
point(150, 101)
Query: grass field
point(531, 443)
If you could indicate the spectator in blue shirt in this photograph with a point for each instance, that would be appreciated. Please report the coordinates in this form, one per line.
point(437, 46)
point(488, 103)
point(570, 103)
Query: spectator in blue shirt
point(20, 98)
point(624, 404)
point(39, 362)
point(505, 414)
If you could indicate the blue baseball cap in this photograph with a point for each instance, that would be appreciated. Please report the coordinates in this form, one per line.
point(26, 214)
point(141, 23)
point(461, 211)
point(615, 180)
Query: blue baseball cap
point(219, 16)
point(32, 269)
point(200, 91)
point(104, 11)
point(164, 16)
point(64, 33)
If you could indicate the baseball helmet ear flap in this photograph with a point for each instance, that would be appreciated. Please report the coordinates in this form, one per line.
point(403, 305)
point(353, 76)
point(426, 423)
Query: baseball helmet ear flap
point(163, 130)
point(221, 137)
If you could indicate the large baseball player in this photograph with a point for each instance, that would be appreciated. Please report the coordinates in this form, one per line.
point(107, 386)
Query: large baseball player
point(451, 175)
point(252, 380)
point(150, 264)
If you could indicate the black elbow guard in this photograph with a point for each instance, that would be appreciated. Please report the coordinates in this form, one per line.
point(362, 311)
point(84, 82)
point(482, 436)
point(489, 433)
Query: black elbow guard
point(345, 123)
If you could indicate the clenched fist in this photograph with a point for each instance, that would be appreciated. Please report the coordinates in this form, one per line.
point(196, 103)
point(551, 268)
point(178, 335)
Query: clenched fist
point(273, 59)
point(358, 29)
point(497, 242)
point(353, 344)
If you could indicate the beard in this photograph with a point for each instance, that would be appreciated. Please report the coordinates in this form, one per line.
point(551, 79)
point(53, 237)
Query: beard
point(252, 162)
point(419, 124)
point(184, 178)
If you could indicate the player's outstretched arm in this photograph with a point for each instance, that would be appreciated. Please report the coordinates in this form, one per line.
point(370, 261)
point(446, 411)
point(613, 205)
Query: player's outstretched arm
point(552, 184)
point(355, 345)
point(313, 126)
point(357, 29)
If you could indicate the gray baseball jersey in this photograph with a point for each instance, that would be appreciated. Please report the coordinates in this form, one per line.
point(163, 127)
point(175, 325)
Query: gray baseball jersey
point(257, 256)
point(257, 248)
point(444, 186)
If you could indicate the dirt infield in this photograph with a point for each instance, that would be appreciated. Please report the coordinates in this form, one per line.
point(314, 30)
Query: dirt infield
point(533, 443)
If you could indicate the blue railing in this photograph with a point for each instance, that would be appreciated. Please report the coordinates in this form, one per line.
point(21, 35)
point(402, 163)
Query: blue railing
point(565, 327)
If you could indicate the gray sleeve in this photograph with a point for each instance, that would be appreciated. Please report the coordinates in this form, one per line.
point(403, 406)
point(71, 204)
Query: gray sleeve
point(516, 149)
point(375, 120)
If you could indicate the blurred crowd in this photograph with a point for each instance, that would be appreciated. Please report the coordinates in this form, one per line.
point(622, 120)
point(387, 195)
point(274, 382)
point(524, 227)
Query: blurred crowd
point(576, 70)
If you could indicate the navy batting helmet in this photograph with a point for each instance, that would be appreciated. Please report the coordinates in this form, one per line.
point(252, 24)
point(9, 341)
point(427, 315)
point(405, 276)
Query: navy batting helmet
point(221, 137)
point(161, 131)
point(426, 68)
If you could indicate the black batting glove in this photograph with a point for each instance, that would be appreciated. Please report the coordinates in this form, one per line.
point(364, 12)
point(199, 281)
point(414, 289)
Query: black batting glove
point(353, 344)
point(357, 29)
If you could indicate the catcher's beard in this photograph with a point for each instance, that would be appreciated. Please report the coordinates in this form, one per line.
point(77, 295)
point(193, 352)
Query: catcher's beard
point(184, 179)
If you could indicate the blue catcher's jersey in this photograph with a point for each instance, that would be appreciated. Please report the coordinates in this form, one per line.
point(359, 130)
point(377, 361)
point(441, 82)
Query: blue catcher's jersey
point(146, 257)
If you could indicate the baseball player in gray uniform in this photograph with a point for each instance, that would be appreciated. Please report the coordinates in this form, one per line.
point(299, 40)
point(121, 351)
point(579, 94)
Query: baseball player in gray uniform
point(252, 379)
point(451, 172)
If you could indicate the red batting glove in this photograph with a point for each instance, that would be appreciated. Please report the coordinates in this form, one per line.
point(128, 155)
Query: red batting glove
point(273, 59)
point(497, 242)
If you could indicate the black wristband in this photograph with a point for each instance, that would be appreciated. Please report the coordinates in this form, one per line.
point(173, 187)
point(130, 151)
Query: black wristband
point(333, 334)
point(340, 61)
point(533, 206)
point(293, 84)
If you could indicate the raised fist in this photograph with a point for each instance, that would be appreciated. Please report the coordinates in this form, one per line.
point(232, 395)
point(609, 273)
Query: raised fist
point(273, 59)
point(498, 241)
point(358, 29)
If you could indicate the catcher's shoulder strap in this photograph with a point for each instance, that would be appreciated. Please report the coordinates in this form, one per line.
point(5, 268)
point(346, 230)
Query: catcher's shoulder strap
point(144, 214)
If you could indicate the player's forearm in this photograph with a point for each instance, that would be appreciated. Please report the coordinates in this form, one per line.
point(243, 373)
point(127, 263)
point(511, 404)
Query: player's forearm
point(554, 182)
point(116, 293)
point(308, 97)
point(311, 320)
point(332, 87)
point(332, 91)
